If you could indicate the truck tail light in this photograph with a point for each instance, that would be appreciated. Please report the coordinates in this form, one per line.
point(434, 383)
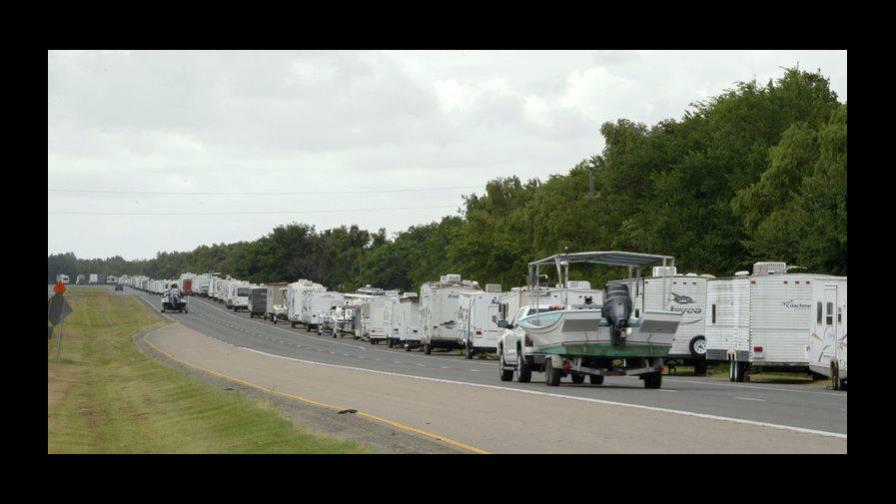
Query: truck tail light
point(478, 333)
point(757, 349)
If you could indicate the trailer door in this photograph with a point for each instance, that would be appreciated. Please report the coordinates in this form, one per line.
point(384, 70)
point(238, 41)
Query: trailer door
point(830, 320)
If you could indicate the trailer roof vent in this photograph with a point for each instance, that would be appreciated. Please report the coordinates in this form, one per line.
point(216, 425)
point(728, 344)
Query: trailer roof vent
point(450, 278)
point(659, 271)
point(691, 274)
point(741, 273)
point(707, 275)
point(494, 288)
point(769, 268)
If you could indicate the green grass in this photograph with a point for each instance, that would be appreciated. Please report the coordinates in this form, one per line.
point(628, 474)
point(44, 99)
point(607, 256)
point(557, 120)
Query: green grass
point(106, 396)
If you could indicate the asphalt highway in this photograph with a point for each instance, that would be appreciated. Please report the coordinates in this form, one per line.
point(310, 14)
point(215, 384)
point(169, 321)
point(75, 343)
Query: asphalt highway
point(809, 407)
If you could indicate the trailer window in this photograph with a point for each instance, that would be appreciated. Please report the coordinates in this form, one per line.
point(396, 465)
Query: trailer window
point(713, 313)
point(830, 314)
point(818, 315)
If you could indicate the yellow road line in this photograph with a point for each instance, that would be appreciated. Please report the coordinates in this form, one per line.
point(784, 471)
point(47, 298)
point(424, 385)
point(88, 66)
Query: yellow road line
point(316, 403)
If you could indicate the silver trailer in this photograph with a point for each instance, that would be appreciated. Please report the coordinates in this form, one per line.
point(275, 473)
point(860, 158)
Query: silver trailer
point(439, 302)
point(827, 336)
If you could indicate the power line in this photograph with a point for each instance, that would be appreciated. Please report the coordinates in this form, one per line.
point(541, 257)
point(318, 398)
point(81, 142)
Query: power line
point(301, 193)
point(248, 212)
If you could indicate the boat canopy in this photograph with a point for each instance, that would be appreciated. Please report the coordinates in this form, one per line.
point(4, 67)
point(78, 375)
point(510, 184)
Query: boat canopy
point(609, 258)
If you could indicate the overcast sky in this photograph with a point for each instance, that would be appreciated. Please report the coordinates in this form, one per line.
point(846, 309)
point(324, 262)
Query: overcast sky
point(317, 123)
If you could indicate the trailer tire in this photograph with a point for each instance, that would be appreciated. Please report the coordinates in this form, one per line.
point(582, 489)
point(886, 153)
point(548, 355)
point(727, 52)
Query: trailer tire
point(391, 344)
point(577, 378)
point(552, 376)
point(740, 371)
point(596, 379)
point(468, 350)
point(523, 371)
point(697, 346)
point(504, 374)
point(653, 380)
point(407, 347)
point(427, 348)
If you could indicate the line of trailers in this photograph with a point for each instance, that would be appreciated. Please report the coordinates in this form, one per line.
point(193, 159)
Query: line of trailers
point(772, 319)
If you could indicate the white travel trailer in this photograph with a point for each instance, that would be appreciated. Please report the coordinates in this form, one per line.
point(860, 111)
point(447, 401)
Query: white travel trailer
point(316, 304)
point(438, 310)
point(760, 321)
point(827, 337)
point(201, 284)
point(238, 295)
point(294, 298)
point(62, 278)
point(685, 294)
point(94, 278)
point(409, 331)
point(356, 302)
point(478, 313)
point(221, 288)
point(276, 301)
point(376, 317)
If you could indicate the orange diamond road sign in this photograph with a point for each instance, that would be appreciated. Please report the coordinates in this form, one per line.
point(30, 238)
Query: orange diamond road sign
point(59, 288)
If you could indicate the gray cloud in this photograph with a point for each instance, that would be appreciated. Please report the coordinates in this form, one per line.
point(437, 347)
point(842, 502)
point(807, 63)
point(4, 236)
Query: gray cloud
point(235, 121)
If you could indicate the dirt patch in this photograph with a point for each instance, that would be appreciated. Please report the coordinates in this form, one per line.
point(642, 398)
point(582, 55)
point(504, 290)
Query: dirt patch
point(379, 437)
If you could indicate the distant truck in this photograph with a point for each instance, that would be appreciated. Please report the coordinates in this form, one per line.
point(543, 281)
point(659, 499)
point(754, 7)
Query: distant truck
point(173, 299)
point(94, 278)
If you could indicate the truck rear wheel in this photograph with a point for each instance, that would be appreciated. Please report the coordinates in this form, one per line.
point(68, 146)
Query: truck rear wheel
point(504, 374)
point(551, 376)
point(653, 380)
point(523, 371)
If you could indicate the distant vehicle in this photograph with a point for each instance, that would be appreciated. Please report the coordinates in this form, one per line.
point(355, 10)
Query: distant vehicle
point(376, 317)
point(62, 278)
point(275, 307)
point(827, 337)
point(173, 299)
point(294, 298)
point(119, 287)
point(316, 304)
point(81, 279)
point(94, 278)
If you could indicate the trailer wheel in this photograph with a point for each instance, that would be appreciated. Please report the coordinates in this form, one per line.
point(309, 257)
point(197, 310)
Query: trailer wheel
point(551, 376)
point(577, 378)
point(504, 374)
point(697, 346)
point(596, 379)
point(391, 343)
point(523, 371)
point(653, 380)
point(427, 348)
point(468, 351)
point(407, 347)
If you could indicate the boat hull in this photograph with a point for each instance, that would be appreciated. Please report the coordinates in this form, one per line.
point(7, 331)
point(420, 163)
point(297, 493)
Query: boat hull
point(587, 333)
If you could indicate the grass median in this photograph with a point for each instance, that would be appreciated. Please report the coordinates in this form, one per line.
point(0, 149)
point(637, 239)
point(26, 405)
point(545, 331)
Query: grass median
point(106, 396)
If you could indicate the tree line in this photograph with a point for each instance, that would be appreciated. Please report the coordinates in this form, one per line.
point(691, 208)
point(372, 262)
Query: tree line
point(755, 173)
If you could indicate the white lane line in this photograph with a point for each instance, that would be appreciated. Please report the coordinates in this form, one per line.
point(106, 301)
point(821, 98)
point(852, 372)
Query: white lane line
point(474, 370)
point(423, 365)
point(749, 399)
point(754, 387)
point(667, 390)
point(563, 396)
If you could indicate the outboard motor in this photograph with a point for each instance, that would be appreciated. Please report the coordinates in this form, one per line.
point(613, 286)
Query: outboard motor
point(617, 309)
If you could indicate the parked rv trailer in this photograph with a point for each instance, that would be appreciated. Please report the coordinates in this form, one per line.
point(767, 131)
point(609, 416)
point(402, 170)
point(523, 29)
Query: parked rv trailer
point(62, 278)
point(94, 279)
point(238, 295)
point(478, 314)
point(294, 298)
point(111, 279)
point(258, 302)
point(438, 310)
point(376, 317)
point(685, 294)
point(359, 301)
point(827, 337)
point(275, 308)
point(201, 284)
point(760, 321)
point(316, 304)
point(410, 332)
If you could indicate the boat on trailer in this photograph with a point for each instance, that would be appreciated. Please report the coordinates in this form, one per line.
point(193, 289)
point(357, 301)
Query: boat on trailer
point(584, 336)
